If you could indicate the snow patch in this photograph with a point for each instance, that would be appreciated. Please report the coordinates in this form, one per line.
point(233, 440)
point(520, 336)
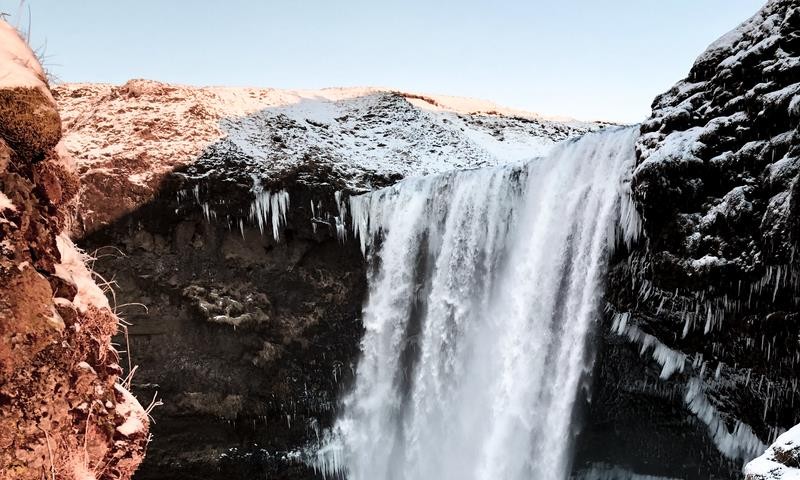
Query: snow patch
point(131, 410)
point(678, 146)
point(731, 206)
point(784, 95)
point(785, 168)
point(6, 203)
point(794, 106)
point(466, 105)
point(18, 64)
point(769, 466)
point(705, 261)
point(72, 268)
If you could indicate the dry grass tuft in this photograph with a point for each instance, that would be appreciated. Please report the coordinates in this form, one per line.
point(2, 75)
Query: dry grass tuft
point(29, 122)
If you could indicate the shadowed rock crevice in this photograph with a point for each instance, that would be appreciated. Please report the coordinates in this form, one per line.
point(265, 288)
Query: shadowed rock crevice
point(248, 340)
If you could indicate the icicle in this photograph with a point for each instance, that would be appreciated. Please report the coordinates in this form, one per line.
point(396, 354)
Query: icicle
point(341, 231)
point(270, 209)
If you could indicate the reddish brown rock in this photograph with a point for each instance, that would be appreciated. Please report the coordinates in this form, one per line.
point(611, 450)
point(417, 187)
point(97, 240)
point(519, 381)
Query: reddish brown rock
point(64, 414)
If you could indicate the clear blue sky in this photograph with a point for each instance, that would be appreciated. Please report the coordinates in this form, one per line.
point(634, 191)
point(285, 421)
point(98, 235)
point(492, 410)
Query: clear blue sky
point(590, 59)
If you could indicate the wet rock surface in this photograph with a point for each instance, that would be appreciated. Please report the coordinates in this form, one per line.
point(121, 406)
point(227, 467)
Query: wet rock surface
point(246, 339)
point(704, 312)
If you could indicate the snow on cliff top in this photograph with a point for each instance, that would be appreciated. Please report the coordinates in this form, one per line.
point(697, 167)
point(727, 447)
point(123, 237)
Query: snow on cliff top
point(144, 129)
point(18, 64)
point(761, 23)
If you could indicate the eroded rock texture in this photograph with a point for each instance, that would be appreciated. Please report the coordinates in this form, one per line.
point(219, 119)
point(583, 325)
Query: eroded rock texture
point(248, 339)
point(64, 413)
point(703, 315)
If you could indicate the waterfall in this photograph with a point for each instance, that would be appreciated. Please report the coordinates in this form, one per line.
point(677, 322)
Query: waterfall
point(483, 290)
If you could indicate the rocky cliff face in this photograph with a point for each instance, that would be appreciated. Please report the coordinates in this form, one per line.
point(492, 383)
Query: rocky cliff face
point(246, 337)
point(215, 212)
point(702, 331)
point(65, 412)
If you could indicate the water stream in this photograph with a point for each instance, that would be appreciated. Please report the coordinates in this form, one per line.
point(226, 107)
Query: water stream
point(483, 294)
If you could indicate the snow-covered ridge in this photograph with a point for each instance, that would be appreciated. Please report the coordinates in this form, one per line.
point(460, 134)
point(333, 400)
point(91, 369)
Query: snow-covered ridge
point(141, 131)
point(761, 23)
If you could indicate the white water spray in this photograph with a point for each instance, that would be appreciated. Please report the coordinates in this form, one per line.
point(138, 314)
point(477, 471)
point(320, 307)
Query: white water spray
point(485, 286)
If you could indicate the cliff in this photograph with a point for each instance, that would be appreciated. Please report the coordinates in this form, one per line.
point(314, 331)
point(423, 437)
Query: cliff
point(128, 139)
point(216, 212)
point(65, 412)
point(703, 313)
point(219, 211)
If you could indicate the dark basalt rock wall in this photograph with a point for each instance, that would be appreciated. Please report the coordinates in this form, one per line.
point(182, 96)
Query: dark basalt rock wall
point(716, 279)
point(247, 340)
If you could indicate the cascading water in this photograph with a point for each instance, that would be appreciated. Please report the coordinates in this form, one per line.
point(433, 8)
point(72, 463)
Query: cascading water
point(484, 287)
